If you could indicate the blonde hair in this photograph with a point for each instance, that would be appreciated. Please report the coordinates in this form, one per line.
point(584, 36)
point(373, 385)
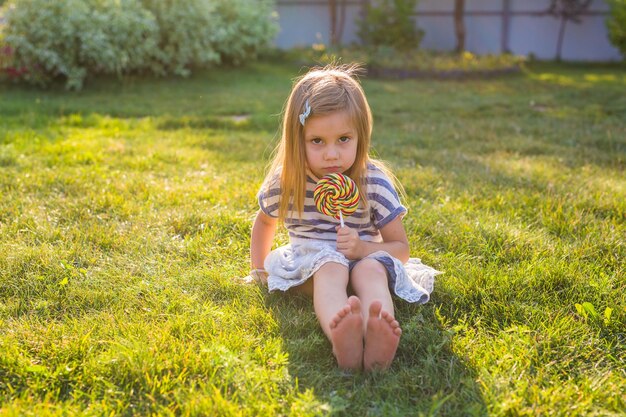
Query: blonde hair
point(329, 89)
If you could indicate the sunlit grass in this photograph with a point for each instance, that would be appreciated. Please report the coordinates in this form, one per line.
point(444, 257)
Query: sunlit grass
point(125, 218)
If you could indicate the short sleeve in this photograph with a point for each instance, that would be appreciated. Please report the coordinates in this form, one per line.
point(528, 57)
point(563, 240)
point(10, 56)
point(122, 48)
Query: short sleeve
point(269, 196)
point(383, 199)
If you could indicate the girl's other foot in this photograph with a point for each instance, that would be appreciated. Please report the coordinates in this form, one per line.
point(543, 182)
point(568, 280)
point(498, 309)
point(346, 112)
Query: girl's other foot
point(346, 329)
point(381, 338)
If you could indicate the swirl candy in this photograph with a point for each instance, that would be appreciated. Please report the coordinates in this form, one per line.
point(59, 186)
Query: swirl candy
point(336, 195)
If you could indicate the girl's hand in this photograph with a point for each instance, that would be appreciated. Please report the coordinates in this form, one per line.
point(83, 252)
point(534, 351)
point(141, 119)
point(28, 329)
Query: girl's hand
point(349, 243)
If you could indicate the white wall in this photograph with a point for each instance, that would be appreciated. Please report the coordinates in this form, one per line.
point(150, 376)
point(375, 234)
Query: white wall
point(304, 22)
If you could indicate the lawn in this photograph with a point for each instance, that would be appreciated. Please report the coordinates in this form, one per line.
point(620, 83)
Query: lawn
point(124, 227)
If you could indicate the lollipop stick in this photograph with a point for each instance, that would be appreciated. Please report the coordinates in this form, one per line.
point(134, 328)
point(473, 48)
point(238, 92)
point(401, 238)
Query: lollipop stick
point(341, 218)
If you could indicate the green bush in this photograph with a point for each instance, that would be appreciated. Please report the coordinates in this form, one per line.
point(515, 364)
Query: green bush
point(616, 25)
point(74, 39)
point(122, 36)
point(186, 35)
point(388, 23)
point(71, 38)
point(245, 28)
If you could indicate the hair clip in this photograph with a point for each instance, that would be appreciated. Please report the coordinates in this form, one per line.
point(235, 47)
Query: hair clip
point(307, 112)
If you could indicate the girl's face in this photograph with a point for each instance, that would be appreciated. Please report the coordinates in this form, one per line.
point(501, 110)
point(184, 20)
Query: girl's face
point(330, 143)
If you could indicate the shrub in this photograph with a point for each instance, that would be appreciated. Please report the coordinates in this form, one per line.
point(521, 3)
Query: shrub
point(388, 23)
point(76, 38)
point(616, 25)
point(187, 33)
point(122, 37)
point(71, 38)
point(8, 70)
point(246, 27)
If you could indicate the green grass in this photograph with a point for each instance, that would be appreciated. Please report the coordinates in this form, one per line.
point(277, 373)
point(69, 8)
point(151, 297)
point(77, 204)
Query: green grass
point(125, 218)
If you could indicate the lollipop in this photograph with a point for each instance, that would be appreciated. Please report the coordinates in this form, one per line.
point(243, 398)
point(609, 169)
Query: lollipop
point(336, 195)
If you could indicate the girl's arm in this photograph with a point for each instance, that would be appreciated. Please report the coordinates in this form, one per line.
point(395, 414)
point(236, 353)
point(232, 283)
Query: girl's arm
point(261, 239)
point(394, 242)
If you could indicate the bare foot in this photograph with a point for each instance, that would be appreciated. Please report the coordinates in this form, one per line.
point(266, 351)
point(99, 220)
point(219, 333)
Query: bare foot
point(346, 330)
point(381, 338)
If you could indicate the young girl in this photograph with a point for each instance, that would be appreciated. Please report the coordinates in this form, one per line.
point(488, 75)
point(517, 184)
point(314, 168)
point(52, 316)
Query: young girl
point(326, 128)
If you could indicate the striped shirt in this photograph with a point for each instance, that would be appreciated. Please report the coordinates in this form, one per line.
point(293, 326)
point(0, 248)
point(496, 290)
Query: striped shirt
point(384, 206)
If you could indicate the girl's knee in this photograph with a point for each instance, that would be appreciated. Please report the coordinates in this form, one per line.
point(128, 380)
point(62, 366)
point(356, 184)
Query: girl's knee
point(369, 267)
point(331, 271)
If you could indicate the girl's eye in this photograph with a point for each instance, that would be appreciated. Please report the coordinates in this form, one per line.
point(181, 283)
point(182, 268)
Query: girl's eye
point(344, 139)
point(316, 141)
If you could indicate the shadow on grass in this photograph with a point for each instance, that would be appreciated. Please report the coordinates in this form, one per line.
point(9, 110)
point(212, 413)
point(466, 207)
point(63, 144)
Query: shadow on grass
point(426, 378)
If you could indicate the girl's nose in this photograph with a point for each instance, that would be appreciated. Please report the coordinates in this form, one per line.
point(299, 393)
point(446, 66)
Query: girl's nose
point(332, 153)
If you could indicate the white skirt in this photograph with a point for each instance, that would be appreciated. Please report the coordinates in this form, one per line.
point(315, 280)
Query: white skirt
point(291, 265)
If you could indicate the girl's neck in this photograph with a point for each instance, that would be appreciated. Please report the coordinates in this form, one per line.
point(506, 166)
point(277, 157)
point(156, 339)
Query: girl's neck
point(310, 173)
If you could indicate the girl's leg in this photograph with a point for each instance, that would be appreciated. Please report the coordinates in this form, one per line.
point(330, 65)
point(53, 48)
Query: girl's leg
point(382, 331)
point(339, 317)
point(369, 282)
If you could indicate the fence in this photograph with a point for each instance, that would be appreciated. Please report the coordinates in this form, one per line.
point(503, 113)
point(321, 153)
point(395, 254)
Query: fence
point(492, 26)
